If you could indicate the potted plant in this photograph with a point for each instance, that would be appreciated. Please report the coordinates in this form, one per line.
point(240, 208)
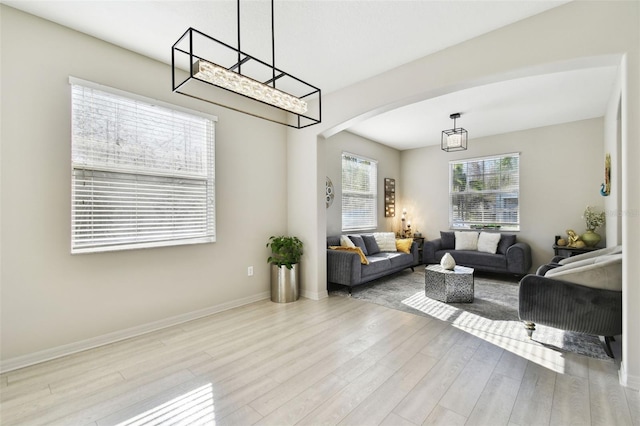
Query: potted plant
point(593, 221)
point(285, 272)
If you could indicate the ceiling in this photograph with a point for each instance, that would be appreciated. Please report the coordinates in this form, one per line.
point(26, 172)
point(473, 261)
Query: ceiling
point(333, 44)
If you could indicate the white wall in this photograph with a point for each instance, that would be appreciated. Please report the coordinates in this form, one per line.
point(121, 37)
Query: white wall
point(551, 41)
point(612, 146)
point(51, 299)
point(560, 174)
point(388, 167)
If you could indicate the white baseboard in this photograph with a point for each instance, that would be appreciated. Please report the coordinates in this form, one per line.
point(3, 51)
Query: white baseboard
point(627, 380)
point(83, 345)
point(314, 295)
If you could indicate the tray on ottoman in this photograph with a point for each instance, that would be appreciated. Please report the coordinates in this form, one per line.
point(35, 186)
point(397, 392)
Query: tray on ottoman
point(449, 286)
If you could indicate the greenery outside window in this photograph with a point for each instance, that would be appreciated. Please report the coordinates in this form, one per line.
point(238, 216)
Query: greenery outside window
point(142, 172)
point(484, 193)
point(359, 192)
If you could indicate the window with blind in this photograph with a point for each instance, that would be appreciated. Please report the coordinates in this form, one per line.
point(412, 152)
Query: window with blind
point(485, 192)
point(359, 192)
point(142, 172)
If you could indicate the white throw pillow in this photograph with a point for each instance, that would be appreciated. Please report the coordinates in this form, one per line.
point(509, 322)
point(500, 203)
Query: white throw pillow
point(466, 240)
point(488, 242)
point(346, 241)
point(386, 241)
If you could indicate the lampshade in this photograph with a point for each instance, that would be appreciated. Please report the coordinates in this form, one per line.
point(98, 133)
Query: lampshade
point(454, 139)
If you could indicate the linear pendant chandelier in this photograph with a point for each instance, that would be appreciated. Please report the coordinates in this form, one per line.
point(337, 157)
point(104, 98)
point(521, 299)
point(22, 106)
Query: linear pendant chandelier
point(266, 91)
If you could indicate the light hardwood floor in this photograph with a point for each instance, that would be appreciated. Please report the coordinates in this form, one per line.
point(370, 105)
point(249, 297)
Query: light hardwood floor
point(334, 361)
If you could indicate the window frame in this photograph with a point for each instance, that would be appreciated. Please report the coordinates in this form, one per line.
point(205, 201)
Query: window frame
point(173, 180)
point(502, 196)
point(352, 194)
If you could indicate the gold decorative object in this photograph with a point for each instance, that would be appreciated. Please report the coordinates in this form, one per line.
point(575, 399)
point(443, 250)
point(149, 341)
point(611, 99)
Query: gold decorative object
point(573, 239)
point(562, 242)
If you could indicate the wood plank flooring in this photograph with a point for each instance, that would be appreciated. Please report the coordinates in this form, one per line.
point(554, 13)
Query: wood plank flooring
point(335, 361)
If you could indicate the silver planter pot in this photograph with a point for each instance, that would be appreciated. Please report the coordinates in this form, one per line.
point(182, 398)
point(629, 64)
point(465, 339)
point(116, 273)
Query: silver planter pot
point(285, 283)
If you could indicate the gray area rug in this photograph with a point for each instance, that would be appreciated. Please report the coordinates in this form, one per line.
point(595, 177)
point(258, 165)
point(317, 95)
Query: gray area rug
point(494, 309)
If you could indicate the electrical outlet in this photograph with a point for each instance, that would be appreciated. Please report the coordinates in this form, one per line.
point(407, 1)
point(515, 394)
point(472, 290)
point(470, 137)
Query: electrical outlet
point(250, 271)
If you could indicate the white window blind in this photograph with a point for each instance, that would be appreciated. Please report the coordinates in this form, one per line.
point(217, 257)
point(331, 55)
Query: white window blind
point(359, 192)
point(143, 172)
point(485, 192)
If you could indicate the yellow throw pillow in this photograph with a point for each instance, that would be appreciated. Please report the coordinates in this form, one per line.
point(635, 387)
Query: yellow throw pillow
point(404, 245)
point(363, 258)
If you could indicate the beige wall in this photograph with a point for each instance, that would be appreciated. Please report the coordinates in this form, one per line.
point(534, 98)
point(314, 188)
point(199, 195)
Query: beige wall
point(388, 167)
point(51, 299)
point(560, 174)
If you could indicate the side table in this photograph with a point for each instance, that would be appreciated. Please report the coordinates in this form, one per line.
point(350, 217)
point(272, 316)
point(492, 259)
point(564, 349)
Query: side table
point(570, 251)
point(449, 286)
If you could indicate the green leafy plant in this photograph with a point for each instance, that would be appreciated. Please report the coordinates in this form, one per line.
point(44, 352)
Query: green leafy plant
point(592, 219)
point(285, 251)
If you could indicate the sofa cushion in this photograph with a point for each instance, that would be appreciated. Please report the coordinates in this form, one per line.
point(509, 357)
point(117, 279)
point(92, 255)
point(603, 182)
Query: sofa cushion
point(404, 245)
point(386, 241)
point(476, 258)
point(604, 272)
point(506, 241)
point(447, 240)
point(372, 245)
point(346, 241)
point(488, 242)
point(396, 259)
point(363, 258)
point(359, 242)
point(466, 240)
point(377, 265)
point(333, 240)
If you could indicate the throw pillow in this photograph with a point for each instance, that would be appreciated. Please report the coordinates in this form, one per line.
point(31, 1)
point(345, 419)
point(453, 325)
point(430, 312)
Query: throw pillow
point(448, 240)
point(363, 258)
point(346, 241)
point(359, 242)
point(506, 241)
point(371, 244)
point(404, 245)
point(488, 242)
point(466, 240)
point(386, 241)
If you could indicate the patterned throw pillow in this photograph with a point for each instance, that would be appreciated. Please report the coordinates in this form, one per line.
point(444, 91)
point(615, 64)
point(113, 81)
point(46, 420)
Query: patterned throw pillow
point(386, 241)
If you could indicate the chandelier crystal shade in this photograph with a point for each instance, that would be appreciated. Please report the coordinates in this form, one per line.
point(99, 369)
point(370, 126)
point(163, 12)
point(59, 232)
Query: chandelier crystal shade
point(454, 139)
point(266, 91)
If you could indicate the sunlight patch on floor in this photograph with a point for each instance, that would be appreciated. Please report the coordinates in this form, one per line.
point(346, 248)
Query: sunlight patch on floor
point(192, 408)
point(488, 330)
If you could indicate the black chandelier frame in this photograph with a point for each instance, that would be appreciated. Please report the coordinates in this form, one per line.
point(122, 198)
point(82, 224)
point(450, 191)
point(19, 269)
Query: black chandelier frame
point(193, 45)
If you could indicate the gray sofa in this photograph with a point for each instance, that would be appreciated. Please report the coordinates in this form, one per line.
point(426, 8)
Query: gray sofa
point(511, 257)
point(345, 268)
point(581, 293)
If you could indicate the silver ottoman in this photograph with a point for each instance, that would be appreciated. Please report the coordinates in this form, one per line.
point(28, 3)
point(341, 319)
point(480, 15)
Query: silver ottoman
point(449, 286)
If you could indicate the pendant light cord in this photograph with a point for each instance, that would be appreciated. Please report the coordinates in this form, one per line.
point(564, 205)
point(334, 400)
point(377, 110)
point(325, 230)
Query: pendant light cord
point(239, 49)
point(273, 45)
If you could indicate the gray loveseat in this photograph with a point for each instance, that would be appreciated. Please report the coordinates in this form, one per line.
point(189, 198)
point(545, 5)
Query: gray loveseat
point(510, 256)
point(345, 267)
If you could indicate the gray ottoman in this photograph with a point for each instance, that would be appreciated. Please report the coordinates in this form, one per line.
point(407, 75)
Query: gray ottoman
point(449, 286)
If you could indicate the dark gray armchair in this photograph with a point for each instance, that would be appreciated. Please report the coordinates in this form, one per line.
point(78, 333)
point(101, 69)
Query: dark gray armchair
point(583, 295)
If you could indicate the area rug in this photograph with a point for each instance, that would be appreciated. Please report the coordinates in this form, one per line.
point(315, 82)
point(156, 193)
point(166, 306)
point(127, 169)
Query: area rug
point(494, 309)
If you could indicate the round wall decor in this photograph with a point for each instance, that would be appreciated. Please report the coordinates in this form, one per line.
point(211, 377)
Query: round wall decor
point(329, 192)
